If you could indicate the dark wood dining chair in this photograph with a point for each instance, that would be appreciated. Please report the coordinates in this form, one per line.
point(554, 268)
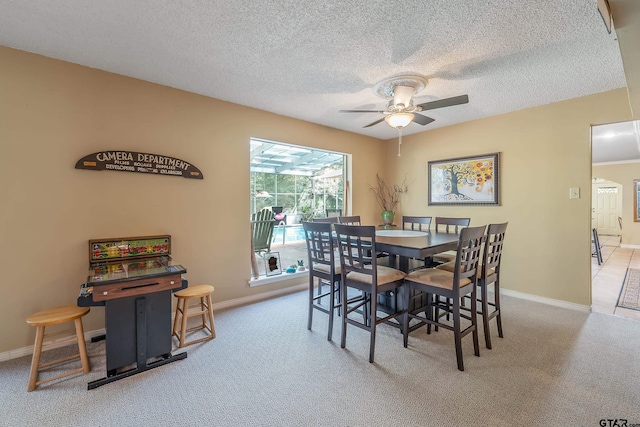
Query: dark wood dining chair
point(450, 286)
point(489, 273)
point(349, 220)
point(360, 271)
point(418, 223)
point(323, 267)
point(452, 226)
point(329, 219)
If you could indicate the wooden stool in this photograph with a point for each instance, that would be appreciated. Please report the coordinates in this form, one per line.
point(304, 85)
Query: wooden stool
point(54, 316)
point(203, 309)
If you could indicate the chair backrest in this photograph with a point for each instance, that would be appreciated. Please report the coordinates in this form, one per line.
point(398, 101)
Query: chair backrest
point(262, 230)
point(451, 225)
point(349, 220)
point(334, 212)
point(319, 238)
point(417, 223)
point(356, 245)
point(493, 244)
point(468, 254)
point(330, 220)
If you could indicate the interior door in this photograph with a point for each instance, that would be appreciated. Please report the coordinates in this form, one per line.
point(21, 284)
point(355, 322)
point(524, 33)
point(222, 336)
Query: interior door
point(607, 207)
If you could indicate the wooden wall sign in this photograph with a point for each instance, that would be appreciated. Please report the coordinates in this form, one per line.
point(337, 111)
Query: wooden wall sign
point(132, 161)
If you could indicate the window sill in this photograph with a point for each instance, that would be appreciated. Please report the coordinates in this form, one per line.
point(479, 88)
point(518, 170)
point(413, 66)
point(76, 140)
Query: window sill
point(264, 280)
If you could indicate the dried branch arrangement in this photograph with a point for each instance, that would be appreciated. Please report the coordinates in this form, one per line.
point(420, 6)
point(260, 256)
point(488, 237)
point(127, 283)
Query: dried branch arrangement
point(388, 196)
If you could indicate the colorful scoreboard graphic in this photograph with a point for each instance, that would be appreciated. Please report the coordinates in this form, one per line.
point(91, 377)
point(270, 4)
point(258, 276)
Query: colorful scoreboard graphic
point(128, 248)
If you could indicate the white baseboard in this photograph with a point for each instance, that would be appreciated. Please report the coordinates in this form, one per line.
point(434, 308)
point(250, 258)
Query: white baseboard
point(544, 300)
point(25, 351)
point(626, 246)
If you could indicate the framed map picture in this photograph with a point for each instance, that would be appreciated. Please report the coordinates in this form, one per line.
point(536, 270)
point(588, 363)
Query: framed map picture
point(471, 180)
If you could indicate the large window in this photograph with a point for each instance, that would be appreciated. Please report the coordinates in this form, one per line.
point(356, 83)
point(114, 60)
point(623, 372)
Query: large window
point(303, 183)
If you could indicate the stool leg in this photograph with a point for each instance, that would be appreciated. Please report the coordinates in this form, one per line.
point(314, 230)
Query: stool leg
point(175, 319)
point(185, 317)
point(210, 313)
point(82, 346)
point(203, 317)
point(35, 361)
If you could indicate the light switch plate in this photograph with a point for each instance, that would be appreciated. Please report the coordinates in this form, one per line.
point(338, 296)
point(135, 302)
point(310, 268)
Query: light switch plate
point(574, 193)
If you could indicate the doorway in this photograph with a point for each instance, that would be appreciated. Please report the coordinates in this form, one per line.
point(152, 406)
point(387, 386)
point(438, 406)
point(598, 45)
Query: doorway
point(615, 158)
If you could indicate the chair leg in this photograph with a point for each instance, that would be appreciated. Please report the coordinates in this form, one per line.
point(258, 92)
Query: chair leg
point(310, 320)
point(203, 309)
point(405, 316)
point(485, 315)
point(343, 308)
point(474, 321)
point(373, 300)
point(35, 360)
point(457, 336)
point(496, 300)
point(332, 306)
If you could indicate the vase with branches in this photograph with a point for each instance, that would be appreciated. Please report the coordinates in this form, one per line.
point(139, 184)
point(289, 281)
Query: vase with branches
point(388, 197)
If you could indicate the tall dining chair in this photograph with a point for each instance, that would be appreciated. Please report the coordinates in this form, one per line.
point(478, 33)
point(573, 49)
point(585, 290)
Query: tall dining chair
point(448, 225)
point(322, 266)
point(451, 286)
point(360, 271)
point(349, 220)
point(489, 273)
point(417, 223)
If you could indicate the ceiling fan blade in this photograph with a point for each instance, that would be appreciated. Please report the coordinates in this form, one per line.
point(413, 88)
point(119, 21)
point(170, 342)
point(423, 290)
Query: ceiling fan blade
point(422, 120)
point(447, 102)
point(361, 111)
point(374, 123)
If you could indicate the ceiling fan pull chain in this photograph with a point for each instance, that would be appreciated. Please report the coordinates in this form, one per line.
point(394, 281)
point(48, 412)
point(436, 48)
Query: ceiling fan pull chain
point(399, 140)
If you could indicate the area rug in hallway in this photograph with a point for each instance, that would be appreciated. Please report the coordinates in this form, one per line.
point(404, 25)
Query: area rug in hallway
point(630, 293)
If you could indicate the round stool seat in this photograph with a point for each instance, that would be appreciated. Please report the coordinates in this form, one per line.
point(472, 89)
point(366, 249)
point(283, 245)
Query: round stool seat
point(57, 315)
point(195, 291)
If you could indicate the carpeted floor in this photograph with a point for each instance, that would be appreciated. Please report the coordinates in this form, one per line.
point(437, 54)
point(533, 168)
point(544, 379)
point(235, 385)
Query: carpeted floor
point(630, 292)
point(555, 367)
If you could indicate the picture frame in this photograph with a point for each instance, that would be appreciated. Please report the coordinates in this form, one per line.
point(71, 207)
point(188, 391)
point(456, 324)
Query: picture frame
point(472, 180)
point(272, 265)
point(636, 200)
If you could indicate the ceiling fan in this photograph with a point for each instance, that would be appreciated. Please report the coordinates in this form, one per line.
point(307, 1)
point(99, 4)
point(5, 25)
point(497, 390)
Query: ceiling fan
point(400, 110)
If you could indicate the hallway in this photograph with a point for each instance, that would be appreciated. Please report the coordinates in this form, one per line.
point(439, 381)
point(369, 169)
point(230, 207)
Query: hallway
point(607, 279)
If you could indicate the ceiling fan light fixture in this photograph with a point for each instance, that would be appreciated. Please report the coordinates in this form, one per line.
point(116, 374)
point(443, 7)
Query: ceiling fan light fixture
point(399, 120)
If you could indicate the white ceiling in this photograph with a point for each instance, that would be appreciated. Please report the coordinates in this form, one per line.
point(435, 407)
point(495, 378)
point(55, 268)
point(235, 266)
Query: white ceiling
point(309, 59)
point(616, 142)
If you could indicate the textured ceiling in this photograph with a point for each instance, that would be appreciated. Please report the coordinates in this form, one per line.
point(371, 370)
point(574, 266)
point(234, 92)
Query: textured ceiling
point(309, 59)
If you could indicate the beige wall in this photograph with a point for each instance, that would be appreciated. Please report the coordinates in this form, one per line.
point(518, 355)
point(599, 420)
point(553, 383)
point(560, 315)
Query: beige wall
point(544, 151)
point(53, 113)
point(623, 174)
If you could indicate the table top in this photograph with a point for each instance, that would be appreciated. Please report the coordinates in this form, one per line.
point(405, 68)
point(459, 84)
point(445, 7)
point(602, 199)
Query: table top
point(417, 246)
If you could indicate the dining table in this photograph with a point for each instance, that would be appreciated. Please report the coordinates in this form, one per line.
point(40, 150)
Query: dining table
point(407, 244)
point(402, 245)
